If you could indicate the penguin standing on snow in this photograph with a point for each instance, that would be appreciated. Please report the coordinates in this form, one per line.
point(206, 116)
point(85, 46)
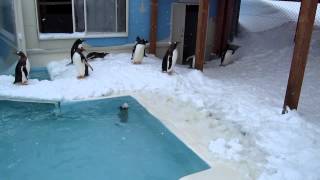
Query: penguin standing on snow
point(80, 61)
point(74, 48)
point(139, 50)
point(170, 58)
point(226, 57)
point(192, 61)
point(22, 69)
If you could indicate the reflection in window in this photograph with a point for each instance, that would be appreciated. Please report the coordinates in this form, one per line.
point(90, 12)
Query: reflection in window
point(89, 16)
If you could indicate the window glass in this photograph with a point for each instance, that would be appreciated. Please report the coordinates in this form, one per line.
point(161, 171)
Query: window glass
point(7, 16)
point(79, 15)
point(122, 13)
point(93, 16)
point(101, 16)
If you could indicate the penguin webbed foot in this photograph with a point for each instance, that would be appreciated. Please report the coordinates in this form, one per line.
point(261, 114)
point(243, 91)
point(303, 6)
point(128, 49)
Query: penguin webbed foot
point(24, 83)
point(80, 77)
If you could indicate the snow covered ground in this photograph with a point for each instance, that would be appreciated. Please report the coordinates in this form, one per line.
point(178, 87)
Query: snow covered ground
point(261, 15)
point(242, 102)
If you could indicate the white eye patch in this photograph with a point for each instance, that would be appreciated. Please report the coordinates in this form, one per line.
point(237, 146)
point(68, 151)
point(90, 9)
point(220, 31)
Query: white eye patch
point(80, 46)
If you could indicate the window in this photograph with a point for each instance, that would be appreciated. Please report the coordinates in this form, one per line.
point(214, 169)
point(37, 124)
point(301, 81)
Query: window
point(86, 17)
point(7, 22)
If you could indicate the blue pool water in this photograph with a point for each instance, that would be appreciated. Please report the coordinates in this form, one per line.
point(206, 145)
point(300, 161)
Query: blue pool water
point(90, 140)
point(39, 73)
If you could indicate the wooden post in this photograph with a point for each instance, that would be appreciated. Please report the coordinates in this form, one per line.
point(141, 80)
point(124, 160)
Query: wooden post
point(154, 22)
point(300, 54)
point(203, 16)
point(226, 15)
point(227, 24)
point(219, 27)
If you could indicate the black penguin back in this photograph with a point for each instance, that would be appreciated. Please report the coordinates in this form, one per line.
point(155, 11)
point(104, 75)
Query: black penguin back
point(18, 74)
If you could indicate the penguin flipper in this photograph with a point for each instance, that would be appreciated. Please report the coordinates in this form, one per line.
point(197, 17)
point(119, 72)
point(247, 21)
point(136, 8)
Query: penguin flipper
point(133, 50)
point(86, 73)
point(164, 63)
point(170, 62)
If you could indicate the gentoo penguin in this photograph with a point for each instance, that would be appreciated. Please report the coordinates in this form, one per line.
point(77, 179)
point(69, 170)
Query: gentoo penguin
point(124, 106)
point(82, 66)
point(22, 69)
point(170, 58)
point(93, 55)
point(138, 51)
point(226, 57)
point(124, 114)
point(74, 48)
point(192, 61)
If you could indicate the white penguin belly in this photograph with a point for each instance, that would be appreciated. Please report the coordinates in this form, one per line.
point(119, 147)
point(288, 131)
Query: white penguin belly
point(28, 66)
point(227, 58)
point(138, 53)
point(174, 60)
point(80, 65)
point(24, 77)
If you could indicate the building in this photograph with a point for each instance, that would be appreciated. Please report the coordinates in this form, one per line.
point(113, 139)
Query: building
point(46, 29)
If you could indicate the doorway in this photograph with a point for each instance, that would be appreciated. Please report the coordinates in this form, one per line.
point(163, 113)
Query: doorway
point(190, 34)
point(184, 29)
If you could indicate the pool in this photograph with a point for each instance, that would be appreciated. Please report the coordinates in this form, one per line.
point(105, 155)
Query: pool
point(39, 73)
point(89, 140)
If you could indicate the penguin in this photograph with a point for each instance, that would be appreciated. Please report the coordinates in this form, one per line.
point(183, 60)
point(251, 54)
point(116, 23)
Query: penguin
point(74, 48)
point(93, 55)
point(82, 66)
point(170, 58)
point(139, 50)
point(226, 57)
point(124, 106)
point(192, 60)
point(124, 113)
point(22, 70)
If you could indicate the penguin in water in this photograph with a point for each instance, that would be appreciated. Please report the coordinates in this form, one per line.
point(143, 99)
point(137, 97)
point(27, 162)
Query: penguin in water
point(170, 58)
point(124, 113)
point(22, 69)
point(80, 61)
point(139, 50)
point(74, 48)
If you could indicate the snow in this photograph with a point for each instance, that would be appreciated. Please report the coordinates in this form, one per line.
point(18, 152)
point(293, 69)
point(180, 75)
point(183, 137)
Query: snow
point(226, 149)
point(261, 15)
point(246, 96)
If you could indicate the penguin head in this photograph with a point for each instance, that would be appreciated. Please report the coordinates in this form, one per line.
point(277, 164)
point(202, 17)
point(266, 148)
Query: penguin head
point(20, 53)
point(124, 106)
point(79, 41)
point(174, 44)
point(145, 41)
point(138, 39)
point(80, 47)
point(141, 41)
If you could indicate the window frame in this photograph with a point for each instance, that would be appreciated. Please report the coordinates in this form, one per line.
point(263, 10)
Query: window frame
point(85, 34)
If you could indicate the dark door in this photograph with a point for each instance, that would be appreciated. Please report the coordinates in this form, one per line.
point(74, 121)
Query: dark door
point(190, 33)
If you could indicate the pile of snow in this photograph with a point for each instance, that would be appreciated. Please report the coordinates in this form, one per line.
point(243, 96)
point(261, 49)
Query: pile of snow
point(226, 149)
